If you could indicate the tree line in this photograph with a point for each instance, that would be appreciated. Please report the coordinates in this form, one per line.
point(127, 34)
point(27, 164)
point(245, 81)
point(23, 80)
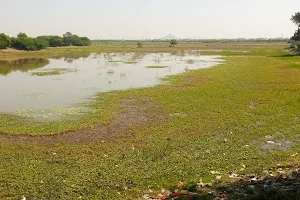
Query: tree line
point(24, 42)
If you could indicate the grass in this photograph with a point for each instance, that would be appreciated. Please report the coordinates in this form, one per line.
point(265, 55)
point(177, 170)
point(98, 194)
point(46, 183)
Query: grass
point(250, 96)
point(156, 67)
point(53, 72)
point(129, 62)
point(150, 47)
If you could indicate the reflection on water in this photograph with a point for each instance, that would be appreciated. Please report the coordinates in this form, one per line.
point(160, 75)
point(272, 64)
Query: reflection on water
point(21, 89)
point(23, 65)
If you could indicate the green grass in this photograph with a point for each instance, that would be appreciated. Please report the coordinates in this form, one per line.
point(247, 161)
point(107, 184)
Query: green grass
point(249, 96)
point(53, 72)
point(156, 67)
point(129, 62)
point(48, 73)
point(77, 52)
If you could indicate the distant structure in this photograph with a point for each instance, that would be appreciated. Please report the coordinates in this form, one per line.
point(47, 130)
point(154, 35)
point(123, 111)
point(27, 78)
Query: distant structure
point(168, 37)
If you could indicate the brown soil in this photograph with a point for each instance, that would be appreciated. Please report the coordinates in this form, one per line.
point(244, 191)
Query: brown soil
point(9, 50)
point(133, 115)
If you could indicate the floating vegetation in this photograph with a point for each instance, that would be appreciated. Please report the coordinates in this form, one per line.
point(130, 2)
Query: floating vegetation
point(113, 61)
point(34, 94)
point(156, 67)
point(190, 61)
point(130, 62)
point(53, 72)
point(120, 61)
point(110, 71)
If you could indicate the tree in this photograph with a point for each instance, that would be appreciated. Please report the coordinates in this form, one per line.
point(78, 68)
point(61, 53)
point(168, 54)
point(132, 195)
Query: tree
point(23, 42)
point(67, 38)
point(295, 40)
point(140, 44)
point(296, 19)
point(5, 41)
point(173, 43)
point(86, 41)
point(76, 41)
point(52, 40)
point(22, 35)
point(56, 41)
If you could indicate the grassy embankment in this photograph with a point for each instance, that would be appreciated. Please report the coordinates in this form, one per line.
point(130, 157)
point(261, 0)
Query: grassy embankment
point(253, 94)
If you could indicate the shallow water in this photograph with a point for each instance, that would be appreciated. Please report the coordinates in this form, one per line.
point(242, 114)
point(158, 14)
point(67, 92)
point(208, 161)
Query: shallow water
point(24, 85)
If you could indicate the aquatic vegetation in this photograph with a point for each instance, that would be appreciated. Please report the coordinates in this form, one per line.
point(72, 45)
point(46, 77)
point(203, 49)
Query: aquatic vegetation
point(156, 67)
point(117, 61)
point(52, 72)
point(110, 71)
point(190, 61)
point(129, 62)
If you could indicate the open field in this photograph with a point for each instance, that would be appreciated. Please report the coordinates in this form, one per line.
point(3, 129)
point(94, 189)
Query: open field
point(240, 117)
point(76, 52)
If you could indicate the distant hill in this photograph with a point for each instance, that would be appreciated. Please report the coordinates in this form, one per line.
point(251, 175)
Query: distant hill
point(168, 37)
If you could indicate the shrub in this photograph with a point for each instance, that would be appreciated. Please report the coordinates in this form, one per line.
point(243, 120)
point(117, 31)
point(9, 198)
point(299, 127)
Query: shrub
point(75, 40)
point(173, 43)
point(86, 41)
point(140, 45)
point(5, 41)
point(22, 42)
point(52, 40)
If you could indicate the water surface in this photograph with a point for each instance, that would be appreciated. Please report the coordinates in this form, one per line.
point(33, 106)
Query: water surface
point(41, 84)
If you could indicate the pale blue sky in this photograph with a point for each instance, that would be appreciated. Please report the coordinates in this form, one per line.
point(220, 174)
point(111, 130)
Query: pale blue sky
point(138, 19)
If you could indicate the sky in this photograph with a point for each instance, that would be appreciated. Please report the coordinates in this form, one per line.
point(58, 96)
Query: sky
point(150, 19)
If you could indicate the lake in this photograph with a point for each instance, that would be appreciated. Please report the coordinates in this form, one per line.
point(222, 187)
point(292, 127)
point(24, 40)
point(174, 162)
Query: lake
point(43, 84)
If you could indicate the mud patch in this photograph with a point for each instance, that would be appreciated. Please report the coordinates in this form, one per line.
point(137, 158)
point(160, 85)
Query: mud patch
point(134, 114)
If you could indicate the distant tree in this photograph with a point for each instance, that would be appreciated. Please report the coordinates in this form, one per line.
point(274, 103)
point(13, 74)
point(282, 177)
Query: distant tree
point(5, 41)
point(77, 41)
point(140, 44)
point(56, 41)
point(40, 44)
point(22, 35)
point(52, 40)
point(295, 40)
point(86, 41)
point(23, 42)
point(173, 43)
point(68, 34)
point(67, 38)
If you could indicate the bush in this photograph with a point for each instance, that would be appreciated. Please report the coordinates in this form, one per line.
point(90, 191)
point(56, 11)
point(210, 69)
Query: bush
point(23, 42)
point(56, 41)
point(75, 40)
point(173, 43)
point(28, 44)
point(140, 45)
point(5, 41)
point(52, 41)
point(86, 41)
